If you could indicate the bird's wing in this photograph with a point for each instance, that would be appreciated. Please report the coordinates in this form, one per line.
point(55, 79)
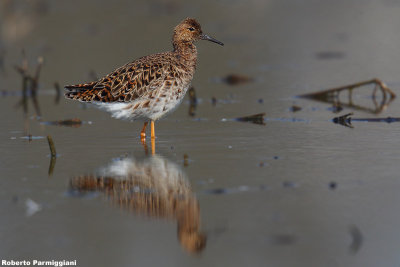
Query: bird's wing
point(127, 83)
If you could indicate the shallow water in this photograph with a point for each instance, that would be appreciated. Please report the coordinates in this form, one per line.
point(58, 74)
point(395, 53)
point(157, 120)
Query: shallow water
point(298, 191)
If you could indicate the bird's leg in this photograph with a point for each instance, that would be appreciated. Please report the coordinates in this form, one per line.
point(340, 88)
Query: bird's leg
point(143, 132)
point(153, 146)
point(153, 134)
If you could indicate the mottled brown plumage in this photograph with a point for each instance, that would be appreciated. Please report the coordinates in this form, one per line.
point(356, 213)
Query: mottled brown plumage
point(149, 87)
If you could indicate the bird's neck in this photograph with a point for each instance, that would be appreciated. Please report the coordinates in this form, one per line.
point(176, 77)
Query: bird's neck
point(186, 53)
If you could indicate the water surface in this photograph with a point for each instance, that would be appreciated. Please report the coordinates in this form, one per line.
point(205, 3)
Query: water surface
point(298, 191)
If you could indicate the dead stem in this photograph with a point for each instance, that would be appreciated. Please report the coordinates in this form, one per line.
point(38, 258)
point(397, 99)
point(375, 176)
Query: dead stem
point(30, 84)
point(344, 120)
point(58, 93)
point(53, 157)
point(257, 119)
point(332, 95)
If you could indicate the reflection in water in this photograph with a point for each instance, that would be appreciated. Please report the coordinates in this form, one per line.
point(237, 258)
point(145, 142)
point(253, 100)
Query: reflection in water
point(30, 85)
point(356, 239)
point(75, 123)
point(192, 101)
point(53, 155)
point(154, 187)
point(58, 93)
point(332, 96)
point(346, 120)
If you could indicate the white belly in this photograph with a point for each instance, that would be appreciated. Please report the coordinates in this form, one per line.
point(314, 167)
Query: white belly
point(144, 109)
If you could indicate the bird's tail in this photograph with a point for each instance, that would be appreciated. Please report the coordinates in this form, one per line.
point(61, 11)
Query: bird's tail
point(82, 92)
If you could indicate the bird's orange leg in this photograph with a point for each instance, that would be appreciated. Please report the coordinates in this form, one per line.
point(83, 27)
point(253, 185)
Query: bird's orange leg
point(153, 134)
point(143, 132)
point(153, 146)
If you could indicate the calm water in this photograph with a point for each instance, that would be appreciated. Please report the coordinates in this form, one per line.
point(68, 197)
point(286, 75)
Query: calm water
point(297, 191)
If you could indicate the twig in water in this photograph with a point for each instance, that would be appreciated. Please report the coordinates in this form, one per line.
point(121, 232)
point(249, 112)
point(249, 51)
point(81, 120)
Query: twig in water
point(53, 157)
point(51, 146)
point(30, 84)
point(257, 118)
point(58, 93)
point(332, 95)
point(344, 120)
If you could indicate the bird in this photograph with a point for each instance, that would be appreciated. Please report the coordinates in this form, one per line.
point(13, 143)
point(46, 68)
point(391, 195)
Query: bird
point(150, 87)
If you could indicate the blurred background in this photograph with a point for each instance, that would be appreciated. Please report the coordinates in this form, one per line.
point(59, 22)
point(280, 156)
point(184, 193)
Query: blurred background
point(292, 190)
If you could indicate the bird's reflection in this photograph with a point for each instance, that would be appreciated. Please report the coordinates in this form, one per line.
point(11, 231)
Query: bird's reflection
point(153, 187)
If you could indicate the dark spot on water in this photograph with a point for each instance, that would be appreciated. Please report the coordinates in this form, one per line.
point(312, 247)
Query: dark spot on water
point(260, 101)
point(213, 101)
point(283, 239)
point(185, 160)
point(332, 185)
point(217, 191)
point(234, 79)
point(295, 108)
point(329, 55)
point(289, 184)
point(276, 157)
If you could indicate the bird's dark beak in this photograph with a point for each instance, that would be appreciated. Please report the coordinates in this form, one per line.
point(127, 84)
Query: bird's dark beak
point(208, 38)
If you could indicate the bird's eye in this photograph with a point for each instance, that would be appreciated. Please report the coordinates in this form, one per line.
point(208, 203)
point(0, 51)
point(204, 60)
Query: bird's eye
point(191, 29)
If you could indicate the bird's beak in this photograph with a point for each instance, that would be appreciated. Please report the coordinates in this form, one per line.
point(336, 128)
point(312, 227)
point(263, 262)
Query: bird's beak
point(208, 38)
